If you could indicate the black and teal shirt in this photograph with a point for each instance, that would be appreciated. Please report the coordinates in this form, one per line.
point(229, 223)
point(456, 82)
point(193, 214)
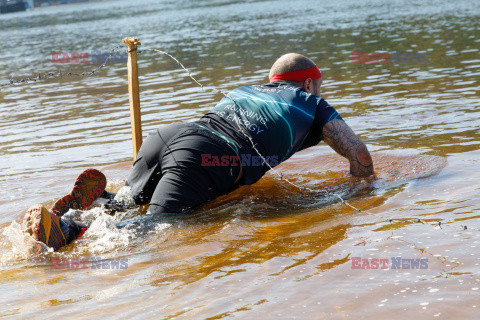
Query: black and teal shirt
point(280, 119)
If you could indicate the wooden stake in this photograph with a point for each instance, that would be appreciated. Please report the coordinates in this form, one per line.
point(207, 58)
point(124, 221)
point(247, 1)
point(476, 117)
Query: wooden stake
point(134, 93)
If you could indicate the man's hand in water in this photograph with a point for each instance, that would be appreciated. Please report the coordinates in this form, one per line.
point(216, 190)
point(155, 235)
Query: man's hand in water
point(341, 138)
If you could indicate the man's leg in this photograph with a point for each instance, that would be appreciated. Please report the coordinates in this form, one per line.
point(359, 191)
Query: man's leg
point(147, 170)
point(168, 173)
point(186, 181)
point(177, 192)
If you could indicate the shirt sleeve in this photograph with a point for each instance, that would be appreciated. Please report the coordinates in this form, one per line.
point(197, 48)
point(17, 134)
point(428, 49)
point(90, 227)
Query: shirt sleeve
point(323, 115)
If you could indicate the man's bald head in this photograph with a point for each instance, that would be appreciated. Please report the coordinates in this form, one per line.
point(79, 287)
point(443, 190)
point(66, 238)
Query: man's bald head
point(290, 62)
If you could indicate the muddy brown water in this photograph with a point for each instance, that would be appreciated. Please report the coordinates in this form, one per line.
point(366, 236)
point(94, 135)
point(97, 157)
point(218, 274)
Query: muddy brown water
point(266, 251)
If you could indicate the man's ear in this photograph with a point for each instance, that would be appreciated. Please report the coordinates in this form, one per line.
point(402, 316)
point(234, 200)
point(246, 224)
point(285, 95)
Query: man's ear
point(308, 85)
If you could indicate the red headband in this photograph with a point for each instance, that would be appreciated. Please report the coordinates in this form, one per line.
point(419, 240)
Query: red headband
point(300, 75)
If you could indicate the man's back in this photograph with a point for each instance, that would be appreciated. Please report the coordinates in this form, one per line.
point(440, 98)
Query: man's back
point(277, 118)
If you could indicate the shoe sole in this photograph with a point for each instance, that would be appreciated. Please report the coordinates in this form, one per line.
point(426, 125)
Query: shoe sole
point(43, 226)
point(89, 186)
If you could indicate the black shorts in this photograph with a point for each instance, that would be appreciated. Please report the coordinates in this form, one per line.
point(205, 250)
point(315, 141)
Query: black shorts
point(170, 175)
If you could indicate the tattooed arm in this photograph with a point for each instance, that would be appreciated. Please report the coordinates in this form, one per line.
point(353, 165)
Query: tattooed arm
point(338, 135)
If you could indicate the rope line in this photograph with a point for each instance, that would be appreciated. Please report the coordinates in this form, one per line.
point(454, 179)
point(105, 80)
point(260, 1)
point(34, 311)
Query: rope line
point(56, 75)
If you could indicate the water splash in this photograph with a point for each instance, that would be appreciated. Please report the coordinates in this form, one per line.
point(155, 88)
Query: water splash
point(19, 246)
point(103, 235)
point(124, 197)
point(106, 235)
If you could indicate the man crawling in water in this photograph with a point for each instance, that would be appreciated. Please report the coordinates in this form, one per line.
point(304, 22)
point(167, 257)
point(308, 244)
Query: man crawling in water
point(183, 165)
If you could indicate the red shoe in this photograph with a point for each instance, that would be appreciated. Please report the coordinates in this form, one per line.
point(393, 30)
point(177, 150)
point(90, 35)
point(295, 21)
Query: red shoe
point(89, 186)
point(44, 226)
